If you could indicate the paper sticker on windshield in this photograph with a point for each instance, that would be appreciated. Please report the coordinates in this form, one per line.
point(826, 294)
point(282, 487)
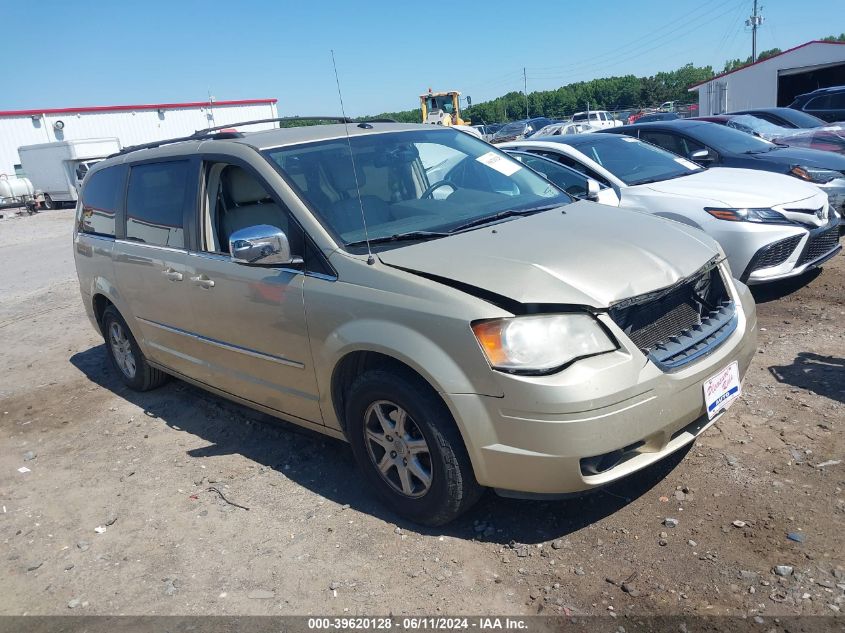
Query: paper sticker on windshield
point(687, 163)
point(501, 164)
point(630, 139)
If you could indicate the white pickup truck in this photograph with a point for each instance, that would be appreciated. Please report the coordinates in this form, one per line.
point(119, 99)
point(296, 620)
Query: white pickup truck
point(596, 118)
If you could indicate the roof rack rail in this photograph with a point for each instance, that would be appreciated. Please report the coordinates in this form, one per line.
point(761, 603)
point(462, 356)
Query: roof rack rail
point(228, 131)
point(288, 119)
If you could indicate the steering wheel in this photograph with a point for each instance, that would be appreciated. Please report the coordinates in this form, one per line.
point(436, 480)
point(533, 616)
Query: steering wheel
point(440, 183)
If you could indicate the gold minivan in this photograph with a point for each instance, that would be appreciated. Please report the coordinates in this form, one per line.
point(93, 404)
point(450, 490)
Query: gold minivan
point(461, 321)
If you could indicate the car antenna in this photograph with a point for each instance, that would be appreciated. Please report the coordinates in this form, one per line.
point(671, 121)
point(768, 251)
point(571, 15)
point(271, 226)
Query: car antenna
point(370, 259)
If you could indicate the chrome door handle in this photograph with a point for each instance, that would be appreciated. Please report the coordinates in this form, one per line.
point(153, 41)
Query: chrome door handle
point(171, 274)
point(203, 281)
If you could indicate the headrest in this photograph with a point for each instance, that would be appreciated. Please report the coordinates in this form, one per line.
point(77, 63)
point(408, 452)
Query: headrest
point(339, 169)
point(243, 187)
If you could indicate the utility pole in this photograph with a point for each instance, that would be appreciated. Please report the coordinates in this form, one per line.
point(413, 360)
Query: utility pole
point(525, 90)
point(754, 22)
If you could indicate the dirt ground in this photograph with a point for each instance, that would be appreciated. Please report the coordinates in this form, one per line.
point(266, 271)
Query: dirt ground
point(313, 540)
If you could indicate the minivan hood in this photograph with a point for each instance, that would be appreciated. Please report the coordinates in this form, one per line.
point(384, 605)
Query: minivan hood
point(580, 254)
point(739, 187)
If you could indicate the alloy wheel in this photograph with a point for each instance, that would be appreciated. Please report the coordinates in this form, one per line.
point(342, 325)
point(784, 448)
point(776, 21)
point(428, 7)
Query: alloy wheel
point(397, 448)
point(122, 350)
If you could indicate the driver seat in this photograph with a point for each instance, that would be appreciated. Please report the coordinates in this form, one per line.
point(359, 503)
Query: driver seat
point(345, 214)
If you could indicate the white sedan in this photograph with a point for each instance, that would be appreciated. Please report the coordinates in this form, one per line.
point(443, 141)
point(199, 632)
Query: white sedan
point(770, 226)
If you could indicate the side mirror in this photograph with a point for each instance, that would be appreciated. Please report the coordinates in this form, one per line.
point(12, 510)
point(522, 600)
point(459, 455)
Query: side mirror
point(593, 189)
point(261, 245)
point(701, 155)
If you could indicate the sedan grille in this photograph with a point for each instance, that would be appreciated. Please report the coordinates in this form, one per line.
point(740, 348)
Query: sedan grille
point(820, 244)
point(679, 324)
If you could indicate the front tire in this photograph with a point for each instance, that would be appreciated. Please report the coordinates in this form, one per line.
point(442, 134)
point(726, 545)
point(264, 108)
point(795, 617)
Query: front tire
point(409, 449)
point(48, 203)
point(125, 355)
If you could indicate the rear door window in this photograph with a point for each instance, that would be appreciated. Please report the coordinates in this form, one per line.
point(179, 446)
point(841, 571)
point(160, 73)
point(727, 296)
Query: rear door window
point(573, 164)
point(155, 203)
point(670, 142)
point(101, 199)
point(819, 103)
point(570, 181)
point(837, 101)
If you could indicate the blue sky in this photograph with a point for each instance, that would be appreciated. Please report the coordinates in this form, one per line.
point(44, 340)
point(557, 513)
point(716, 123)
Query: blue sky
point(149, 51)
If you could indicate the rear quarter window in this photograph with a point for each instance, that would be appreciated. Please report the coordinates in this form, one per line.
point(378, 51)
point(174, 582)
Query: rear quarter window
point(101, 198)
point(155, 203)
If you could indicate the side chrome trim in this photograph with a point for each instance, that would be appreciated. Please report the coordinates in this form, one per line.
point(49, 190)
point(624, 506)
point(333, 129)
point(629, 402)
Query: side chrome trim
point(94, 236)
point(168, 249)
point(217, 257)
point(227, 346)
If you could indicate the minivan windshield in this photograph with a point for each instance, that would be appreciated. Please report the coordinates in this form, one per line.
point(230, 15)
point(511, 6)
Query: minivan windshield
point(632, 161)
point(413, 184)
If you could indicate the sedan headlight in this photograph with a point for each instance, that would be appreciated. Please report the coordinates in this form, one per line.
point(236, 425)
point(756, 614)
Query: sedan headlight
point(814, 174)
point(760, 216)
point(541, 343)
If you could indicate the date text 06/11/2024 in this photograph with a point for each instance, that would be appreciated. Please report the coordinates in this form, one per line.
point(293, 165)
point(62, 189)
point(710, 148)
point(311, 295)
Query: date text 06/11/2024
point(420, 623)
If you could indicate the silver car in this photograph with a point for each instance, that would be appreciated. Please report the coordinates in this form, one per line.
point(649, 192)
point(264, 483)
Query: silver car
point(458, 319)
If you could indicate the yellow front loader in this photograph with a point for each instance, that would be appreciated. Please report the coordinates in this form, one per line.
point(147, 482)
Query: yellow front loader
point(442, 108)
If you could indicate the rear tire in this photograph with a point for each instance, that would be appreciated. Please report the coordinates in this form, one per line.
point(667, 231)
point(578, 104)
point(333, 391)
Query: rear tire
point(125, 355)
point(409, 449)
point(48, 203)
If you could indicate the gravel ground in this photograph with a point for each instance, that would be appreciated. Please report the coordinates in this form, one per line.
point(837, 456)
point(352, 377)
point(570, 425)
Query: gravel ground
point(128, 503)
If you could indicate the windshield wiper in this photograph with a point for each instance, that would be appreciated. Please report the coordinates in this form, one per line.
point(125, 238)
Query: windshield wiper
point(401, 237)
point(501, 215)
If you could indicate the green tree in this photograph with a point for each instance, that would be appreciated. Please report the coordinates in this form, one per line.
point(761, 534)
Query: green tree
point(608, 93)
point(733, 64)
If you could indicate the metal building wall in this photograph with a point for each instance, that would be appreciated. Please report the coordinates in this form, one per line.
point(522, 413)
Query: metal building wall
point(756, 86)
point(130, 126)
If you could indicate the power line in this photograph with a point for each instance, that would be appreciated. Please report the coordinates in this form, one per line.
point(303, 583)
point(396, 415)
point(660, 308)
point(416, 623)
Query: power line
point(629, 57)
point(595, 60)
point(623, 50)
point(737, 18)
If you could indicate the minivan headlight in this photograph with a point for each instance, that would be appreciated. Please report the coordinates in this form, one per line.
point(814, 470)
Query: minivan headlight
point(541, 343)
point(760, 216)
point(814, 174)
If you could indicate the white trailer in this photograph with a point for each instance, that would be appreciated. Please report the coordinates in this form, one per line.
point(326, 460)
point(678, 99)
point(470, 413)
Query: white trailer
point(57, 169)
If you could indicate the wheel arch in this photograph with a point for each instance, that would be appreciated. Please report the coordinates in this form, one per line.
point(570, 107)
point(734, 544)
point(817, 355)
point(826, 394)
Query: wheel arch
point(355, 363)
point(103, 295)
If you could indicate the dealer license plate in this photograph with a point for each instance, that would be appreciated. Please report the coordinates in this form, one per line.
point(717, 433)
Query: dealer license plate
point(721, 390)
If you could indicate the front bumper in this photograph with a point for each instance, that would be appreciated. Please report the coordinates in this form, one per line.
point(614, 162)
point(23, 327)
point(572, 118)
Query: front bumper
point(814, 248)
point(535, 439)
